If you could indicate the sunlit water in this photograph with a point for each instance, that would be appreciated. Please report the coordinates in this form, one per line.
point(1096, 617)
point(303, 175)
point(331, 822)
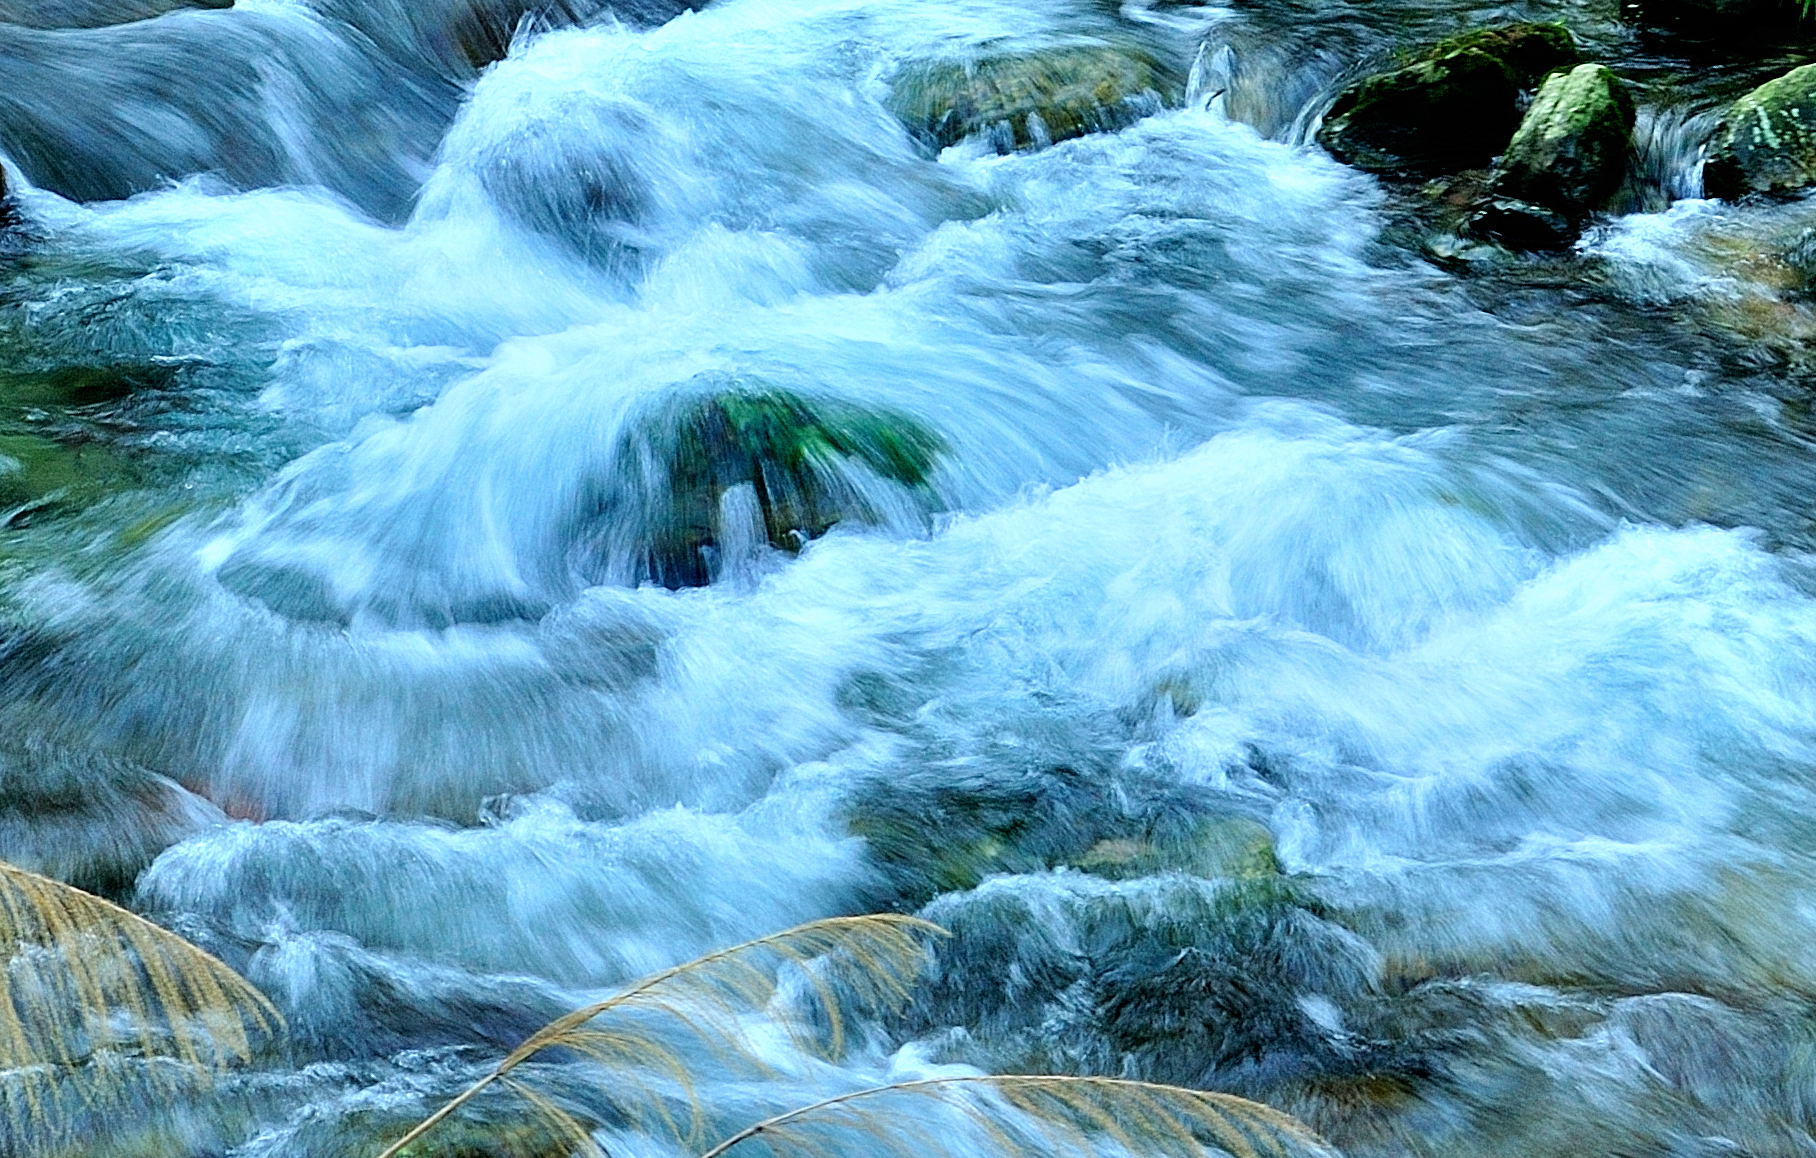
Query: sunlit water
point(1484, 603)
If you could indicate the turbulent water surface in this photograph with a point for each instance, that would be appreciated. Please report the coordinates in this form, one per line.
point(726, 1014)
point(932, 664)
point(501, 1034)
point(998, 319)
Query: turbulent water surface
point(1307, 672)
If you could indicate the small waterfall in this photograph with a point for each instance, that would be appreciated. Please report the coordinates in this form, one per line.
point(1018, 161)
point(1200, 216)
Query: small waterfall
point(1668, 148)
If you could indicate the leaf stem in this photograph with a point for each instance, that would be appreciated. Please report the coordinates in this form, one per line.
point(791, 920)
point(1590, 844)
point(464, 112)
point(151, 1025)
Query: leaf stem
point(551, 1034)
point(997, 1080)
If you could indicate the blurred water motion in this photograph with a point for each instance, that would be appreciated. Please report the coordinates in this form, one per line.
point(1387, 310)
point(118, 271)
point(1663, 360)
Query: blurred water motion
point(484, 529)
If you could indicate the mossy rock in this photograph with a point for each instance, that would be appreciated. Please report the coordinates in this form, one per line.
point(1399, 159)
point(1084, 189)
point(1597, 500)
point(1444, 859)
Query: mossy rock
point(1567, 160)
point(1766, 143)
point(1449, 106)
point(803, 458)
point(1531, 51)
point(1570, 153)
point(1031, 99)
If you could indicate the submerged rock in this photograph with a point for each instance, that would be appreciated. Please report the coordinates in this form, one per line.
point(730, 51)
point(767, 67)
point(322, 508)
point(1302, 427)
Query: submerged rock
point(465, 1136)
point(1520, 224)
point(932, 833)
point(791, 465)
point(576, 182)
point(1766, 143)
point(934, 830)
point(1219, 847)
point(1449, 106)
point(1218, 984)
point(35, 471)
point(1031, 99)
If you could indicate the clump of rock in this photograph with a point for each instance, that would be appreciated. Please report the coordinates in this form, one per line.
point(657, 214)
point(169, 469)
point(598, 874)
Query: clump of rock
point(1565, 162)
point(1448, 106)
point(1766, 143)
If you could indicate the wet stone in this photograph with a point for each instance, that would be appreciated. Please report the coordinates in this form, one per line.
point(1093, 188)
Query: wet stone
point(1570, 153)
point(87, 820)
point(1800, 260)
point(800, 463)
point(1449, 106)
point(1028, 100)
point(1173, 979)
point(1767, 141)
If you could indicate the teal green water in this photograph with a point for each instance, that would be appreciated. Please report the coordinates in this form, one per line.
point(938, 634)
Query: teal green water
point(1288, 666)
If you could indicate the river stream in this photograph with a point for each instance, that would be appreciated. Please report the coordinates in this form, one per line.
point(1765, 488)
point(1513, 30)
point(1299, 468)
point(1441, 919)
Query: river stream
point(1309, 671)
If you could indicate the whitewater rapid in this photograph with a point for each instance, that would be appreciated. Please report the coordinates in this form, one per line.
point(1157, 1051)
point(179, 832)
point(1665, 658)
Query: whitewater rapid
point(1483, 608)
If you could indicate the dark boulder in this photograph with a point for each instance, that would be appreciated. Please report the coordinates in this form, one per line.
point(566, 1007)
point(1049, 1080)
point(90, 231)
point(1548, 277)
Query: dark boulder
point(1449, 106)
point(1738, 24)
point(481, 31)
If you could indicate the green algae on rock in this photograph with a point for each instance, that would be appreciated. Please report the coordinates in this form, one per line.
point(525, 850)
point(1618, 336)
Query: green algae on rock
point(1567, 159)
point(36, 471)
point(1027, 100)
point(1449, 106)
point(1570, 153)
point(1529, 50)
point(1766, 142)
point(802, 458)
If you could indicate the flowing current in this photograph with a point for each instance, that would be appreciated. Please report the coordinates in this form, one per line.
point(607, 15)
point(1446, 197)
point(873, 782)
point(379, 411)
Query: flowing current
point(1305, 672)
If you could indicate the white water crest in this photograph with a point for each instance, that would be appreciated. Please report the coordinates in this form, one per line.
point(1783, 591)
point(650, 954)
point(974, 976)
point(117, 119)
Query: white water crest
point(1300, 672)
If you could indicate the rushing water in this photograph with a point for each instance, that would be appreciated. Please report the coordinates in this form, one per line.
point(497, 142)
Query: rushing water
point(1458, 628)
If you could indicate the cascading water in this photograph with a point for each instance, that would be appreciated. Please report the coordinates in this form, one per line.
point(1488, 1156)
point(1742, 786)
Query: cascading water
point(1286, 667)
